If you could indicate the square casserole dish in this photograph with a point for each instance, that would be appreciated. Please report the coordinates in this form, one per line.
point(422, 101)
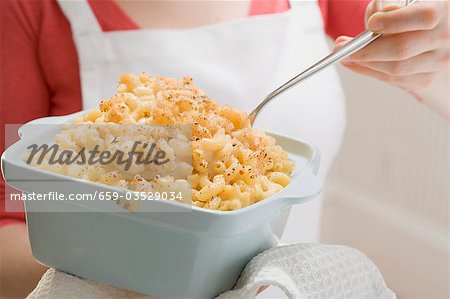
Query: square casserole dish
point(198, 253)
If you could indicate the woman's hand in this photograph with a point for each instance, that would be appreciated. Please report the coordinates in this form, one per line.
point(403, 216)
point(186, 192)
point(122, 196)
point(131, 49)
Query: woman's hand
point(413, 53)
point(19, 272)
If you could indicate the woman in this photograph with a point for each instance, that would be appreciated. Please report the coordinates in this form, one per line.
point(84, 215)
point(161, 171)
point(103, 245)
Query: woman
point(61, 57)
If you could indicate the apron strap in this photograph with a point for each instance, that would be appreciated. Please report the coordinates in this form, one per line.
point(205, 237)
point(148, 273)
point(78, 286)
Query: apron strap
point(306, 21)
point(307, 14)
point(80, 15)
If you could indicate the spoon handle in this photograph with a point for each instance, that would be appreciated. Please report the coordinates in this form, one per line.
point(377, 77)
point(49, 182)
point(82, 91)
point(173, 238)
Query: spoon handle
point(351, 47)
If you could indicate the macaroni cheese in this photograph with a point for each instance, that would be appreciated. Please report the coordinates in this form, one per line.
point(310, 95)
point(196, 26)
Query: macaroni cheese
point(233, 164)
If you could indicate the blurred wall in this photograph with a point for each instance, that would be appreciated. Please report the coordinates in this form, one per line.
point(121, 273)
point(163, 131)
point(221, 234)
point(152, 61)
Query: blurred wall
point(388, 191)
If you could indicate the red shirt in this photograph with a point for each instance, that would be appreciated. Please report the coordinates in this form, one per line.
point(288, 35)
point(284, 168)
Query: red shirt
point(39, 64)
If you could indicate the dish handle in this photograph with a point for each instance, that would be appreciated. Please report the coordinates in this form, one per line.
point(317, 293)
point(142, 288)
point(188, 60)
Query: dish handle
point(308, 186)
point(31, 127)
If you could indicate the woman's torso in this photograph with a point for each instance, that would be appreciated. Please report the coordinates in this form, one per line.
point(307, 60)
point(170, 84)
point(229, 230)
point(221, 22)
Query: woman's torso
point(237, 62)
point(315, 119)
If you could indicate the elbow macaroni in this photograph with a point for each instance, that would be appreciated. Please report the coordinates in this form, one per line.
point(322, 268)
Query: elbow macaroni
point(233, 164)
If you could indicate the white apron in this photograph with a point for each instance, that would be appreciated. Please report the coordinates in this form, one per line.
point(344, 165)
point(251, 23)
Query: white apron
point(235, 62)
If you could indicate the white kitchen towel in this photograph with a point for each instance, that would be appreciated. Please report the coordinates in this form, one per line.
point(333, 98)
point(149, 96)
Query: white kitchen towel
point(301, 271)
point(312, 271)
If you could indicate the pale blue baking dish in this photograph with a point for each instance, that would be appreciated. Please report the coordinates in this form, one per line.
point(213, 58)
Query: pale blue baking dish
point(198, 253)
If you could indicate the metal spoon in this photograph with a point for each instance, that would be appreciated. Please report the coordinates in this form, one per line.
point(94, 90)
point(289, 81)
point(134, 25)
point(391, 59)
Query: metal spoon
point(356, 44)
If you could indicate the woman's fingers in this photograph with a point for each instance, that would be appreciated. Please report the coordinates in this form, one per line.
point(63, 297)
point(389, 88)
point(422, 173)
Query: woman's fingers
point(415, 82)
point(399, 46)
point(413, 51)
point(340, 41)
point(423, 15)
point(432, 61)
point(342, 38)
